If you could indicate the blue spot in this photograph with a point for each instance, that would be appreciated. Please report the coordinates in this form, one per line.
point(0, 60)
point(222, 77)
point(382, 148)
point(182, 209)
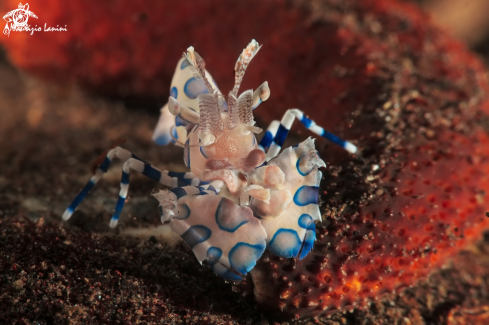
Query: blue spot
point(213, 255)
point(196, 235)
point(179, 192)
point(305, 220)
point(151, 172)
point(298, 163)
point(281, 135)
point(194, 87)
point(308, 240)
point(243, 256)
point(183, 212)
point(184, 64)
point(307, 122)
point(211, 188)
point(285, 243)
point(163, 139)
point(306, 195)
point(174, 92)
point(104, 165)
point(229, 217)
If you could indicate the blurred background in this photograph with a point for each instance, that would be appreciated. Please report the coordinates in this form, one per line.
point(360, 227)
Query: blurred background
point(466, 20)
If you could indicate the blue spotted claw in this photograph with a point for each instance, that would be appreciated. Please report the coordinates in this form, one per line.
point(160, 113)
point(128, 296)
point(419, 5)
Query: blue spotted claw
point(224, 234)
point(289, 217)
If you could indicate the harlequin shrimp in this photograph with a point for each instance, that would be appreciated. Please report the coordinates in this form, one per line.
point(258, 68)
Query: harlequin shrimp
point(240, 197)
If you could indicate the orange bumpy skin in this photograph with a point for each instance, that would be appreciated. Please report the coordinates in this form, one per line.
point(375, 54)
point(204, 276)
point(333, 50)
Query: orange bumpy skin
point(422, 208)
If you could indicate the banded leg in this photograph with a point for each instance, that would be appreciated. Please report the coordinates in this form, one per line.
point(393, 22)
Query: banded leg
point(267, 139)
point(286, 124)
point(117, 152)
point(166, 178)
